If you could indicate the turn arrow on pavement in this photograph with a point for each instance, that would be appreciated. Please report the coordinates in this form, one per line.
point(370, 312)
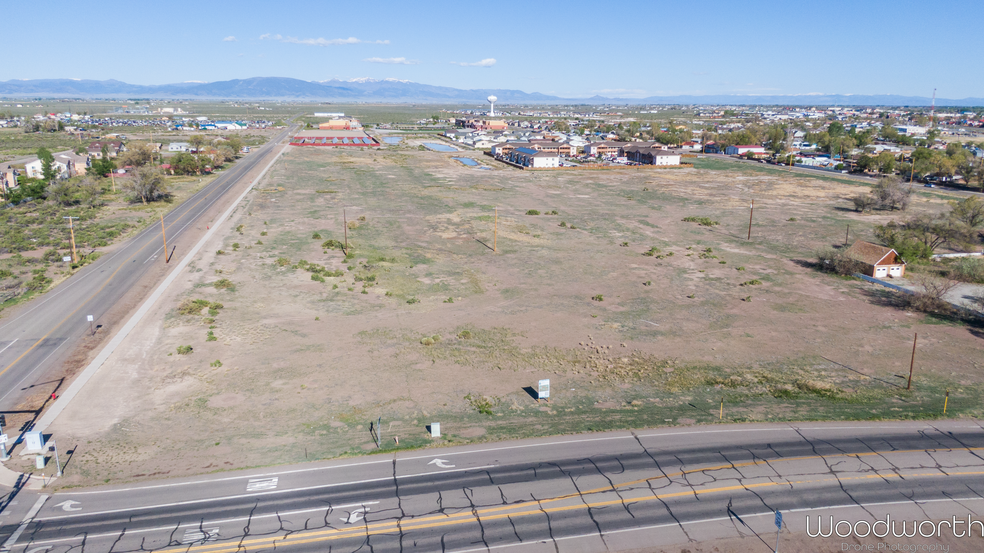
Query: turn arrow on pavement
point(441, 463)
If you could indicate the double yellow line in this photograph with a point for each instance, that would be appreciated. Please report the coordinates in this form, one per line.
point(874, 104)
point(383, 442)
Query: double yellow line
point(537, 507)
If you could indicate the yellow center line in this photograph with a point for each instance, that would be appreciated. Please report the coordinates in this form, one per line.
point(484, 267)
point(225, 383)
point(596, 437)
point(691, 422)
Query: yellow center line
point(536, 508)
point(90, 298)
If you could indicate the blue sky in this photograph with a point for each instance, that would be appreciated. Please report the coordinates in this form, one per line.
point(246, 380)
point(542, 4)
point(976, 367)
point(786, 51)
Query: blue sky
point(569, 49)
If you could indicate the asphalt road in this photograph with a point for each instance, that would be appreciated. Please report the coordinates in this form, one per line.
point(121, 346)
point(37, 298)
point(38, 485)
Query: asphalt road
point(603, 492)
point(41, 336)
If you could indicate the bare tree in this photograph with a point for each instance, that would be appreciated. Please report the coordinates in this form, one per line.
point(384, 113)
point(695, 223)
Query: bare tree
point(864, 202)
point(935, 287)
point(147, 185)
point(893, 193)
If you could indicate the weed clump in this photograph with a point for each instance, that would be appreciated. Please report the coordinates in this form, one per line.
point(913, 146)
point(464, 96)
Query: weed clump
point(483, 404)
point(282, 261)
point(184, 350)
point(753, 282)
point(598, 297)
point(651, 251)
point(224, 284)
point(532, 212)
point(465, 335)
point(332, 244)
point(315, 236)
point(702, 221)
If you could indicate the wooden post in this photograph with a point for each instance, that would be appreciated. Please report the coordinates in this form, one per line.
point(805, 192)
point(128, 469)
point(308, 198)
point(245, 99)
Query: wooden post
point(721, 414)
point(164, 235)
point(847, 235)
point(751, 210)
point(71, 229)
point(495, 237)
point(345, 228)
point(912, 362)
point(945, 401)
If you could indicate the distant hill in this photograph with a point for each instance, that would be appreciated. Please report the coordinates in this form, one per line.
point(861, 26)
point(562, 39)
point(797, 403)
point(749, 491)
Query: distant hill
point(393, 90)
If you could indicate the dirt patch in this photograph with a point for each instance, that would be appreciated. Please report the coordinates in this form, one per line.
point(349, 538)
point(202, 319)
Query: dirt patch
point(429, 315)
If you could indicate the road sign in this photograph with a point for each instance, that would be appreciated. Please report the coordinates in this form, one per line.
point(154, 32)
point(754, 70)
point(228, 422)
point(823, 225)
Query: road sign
point(778, 520)
point(543, 389)
point(89, 318)
point(67, 258)
point(3, 438)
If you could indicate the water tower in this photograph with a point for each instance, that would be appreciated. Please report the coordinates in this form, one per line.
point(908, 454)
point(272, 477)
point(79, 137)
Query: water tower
point(492, 100)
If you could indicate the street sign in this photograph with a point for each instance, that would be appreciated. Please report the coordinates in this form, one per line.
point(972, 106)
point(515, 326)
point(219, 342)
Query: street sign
point(89, 318)
point(3, 438)
point(67, 258)
point(778, 520)
point(543, 389)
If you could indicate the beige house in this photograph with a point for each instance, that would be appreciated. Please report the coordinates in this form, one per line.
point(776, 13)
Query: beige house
point(879, 261)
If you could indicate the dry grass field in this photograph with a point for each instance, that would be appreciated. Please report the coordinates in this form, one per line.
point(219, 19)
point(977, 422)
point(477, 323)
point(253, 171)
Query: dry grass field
point(296, 346)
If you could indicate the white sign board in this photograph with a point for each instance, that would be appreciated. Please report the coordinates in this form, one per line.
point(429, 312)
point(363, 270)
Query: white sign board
point(543, 389)
point(67, 258)
point(435, 430)
point(3, 438)
point(88, 318)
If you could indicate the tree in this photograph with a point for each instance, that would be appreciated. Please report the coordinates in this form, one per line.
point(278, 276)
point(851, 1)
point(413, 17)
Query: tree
point(885, 162)
point(776, 135)
point(137, 155)
point(146, 185)
point(235, 143)
point(47, 164)
point(864, 202)
point(197, 141)
point(969, 211)
point(892, 193)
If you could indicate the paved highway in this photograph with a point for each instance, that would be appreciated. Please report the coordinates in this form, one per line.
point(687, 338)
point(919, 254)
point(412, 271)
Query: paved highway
point(38, 339)
point(603, 492)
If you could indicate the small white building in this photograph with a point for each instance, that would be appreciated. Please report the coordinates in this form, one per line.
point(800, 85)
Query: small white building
point(744, 149)
point(178, 147)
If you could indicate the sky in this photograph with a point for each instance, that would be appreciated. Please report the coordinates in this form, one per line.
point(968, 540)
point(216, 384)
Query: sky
point(572, 49)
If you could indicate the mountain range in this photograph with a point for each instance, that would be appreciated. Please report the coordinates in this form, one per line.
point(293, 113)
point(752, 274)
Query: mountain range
point(399, 91)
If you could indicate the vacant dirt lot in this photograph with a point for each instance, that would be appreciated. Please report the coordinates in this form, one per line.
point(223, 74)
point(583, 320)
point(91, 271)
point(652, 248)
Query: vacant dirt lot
point(427, 323)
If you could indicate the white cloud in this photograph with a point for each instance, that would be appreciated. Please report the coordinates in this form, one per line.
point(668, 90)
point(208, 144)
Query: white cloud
point(622, 92)
point(321, 41)
point(229, 38)
point(487, 62)
point(396, 61)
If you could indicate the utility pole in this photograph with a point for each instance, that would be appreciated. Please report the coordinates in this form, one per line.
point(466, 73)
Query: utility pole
point(912, 362)
point(751, 210)
point(345, 229)
point(847, 235)
point(71, 228)
point(164, 235)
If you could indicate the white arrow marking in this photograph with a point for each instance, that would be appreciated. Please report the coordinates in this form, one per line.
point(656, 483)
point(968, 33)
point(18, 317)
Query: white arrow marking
point(356, 515)
point(39, 549)
point(67, 505)
point(441, 464)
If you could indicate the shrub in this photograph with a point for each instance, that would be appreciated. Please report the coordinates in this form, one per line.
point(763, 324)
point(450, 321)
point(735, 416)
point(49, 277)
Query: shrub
point(465, 335)
point(413, 300)
point(427, 341)
point(332, 245)
point(753, 282)
point(4, 273)
point(553, 212)
point(316, 236)
point(702, 221)
point(316, 277)
point(184, 350)
point(647, 283)
point(449, 300)
point(562, 224)
point(482, 404)
point(192, 307)
point(210, 337)
point(599, 297)
point(742, 268)
point(224, 284)
point(264, 233)
point(215, 364)
point(259, 242)
point(235, 246)
point(966, 269)
point(219, 252)
point(532, 212)
point(651, 252)
point(239, 229)
point(283, 261)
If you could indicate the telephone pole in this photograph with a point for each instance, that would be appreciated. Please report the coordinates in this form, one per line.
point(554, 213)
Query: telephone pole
point(912, 362)
point(751, 210)
point(71, 229)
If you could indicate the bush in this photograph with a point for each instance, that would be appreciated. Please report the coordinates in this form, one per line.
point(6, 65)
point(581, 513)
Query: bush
point(553, 212)
point(482, 404)
point(966, 269)
point(753, 282)
point(282, 261)
point(465, 335)
point(449, 300)
point(210, 337)
point(192, 307)
point(830, 260)
point(651, 252)
point(332, 245)
point(224, 284)
point(316, 236)
point(702, 221)
point(599, 297)
point(215, 364)
point(316, 277)
point(532, 212)
point(413, 301)
point(184, 350)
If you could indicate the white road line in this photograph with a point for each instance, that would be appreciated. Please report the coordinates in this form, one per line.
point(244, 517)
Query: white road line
point(8, 345)
point(23, 525)
point(261, 484)
point(716, 519)
point(211, 522)
point(195, 536)
point(667, 433)
point(252, 495)
point(31, 372)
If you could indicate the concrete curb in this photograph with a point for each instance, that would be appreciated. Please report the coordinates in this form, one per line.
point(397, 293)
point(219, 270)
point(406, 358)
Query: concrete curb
point(62, 402)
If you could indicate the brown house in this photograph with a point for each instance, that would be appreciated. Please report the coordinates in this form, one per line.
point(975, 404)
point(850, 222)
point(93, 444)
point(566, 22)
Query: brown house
point(879, 261)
